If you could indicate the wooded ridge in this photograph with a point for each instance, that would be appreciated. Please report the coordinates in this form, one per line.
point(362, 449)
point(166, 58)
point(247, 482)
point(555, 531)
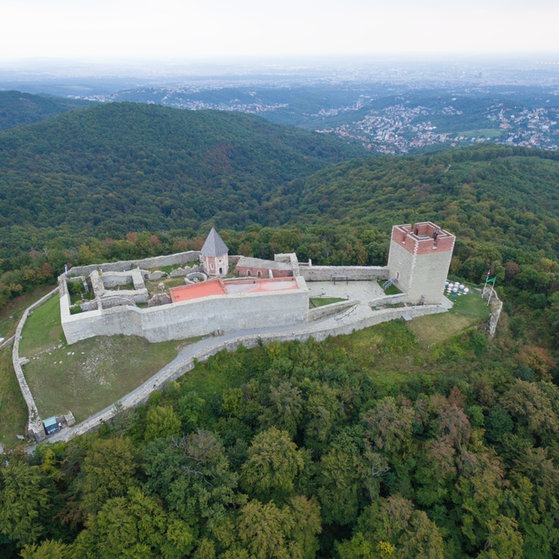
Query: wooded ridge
point(382, 444)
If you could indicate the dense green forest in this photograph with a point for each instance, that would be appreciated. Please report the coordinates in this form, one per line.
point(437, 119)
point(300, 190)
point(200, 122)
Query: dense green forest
point(374, 445)
point(362, 447)
point(111, 169)
point(17, 108)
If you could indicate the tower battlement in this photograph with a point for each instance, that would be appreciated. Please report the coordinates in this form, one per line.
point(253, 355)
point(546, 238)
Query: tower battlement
point(423, 238)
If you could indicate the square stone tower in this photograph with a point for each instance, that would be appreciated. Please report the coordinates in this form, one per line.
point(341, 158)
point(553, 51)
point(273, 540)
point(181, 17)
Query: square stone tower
point(419, 260)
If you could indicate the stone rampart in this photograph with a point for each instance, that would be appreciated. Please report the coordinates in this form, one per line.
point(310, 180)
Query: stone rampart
point(177, 259)
point(186, 319)
point(341, 273)
point(327, 310)
point(35, 426)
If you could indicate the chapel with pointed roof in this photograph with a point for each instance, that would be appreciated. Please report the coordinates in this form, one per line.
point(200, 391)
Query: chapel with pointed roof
point(215, 258)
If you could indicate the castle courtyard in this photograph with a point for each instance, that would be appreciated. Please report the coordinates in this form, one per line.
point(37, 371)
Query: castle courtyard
point(362, 291)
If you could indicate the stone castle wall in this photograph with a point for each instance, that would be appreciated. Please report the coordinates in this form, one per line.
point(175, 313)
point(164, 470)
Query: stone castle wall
point(34, 423)
point(187, 319)
point(352, 273)
point(177, 259)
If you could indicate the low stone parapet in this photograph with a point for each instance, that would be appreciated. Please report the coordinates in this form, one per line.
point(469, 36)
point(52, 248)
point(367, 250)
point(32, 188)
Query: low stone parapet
point(343, 273)
point(388, 300)
point(328, 310)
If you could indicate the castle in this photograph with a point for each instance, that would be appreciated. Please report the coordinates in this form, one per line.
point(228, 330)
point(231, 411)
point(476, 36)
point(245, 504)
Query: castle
point(138, 298)
point(188, 294)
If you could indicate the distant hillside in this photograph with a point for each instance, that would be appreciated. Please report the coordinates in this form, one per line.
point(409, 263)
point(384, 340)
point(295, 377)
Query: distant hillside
point(389, 118)
point(110, 169)
point(18, 108)
point(502, 201)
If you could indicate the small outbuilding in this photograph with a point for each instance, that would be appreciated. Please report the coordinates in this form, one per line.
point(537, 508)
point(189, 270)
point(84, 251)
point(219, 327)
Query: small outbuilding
point(51, 425)
point(258, 268)
point(215, 255)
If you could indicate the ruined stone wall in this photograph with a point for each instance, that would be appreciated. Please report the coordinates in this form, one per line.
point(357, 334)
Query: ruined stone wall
point(34, 424)
point(496, 309)
point(177, 259)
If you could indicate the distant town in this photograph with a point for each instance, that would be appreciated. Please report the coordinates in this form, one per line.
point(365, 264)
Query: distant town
point(389, 106)
point(409, 121)
point(400, 129)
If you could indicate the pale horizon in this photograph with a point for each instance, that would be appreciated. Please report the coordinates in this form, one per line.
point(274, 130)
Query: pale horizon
point(214, 30)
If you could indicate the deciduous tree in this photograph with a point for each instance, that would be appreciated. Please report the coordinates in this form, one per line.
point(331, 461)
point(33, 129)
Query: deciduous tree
point(273, 464)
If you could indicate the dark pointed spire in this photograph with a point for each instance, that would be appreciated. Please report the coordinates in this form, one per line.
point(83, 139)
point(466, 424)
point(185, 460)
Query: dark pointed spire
point(214, 245)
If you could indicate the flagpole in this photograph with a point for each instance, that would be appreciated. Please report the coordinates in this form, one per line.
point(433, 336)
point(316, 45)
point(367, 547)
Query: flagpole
point(485, 284)
point(491, 292)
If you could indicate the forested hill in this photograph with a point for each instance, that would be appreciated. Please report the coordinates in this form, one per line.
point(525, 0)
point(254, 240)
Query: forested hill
point(125, 167)
point(503, 199)
point(95, 184)
point(17, 108)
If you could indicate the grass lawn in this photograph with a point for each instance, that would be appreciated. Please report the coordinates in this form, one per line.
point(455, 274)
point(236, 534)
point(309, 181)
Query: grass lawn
point(387, 353)
point(392, 352)
point(485, 132)
point(217, 374)
point(12, 311)
point(315, 302)
point(86, 376)
point(468, 310)
point(13, 411)
point(390, 290)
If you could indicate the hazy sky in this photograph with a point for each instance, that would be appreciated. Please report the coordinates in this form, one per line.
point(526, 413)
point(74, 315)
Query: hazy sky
point(198, 29)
